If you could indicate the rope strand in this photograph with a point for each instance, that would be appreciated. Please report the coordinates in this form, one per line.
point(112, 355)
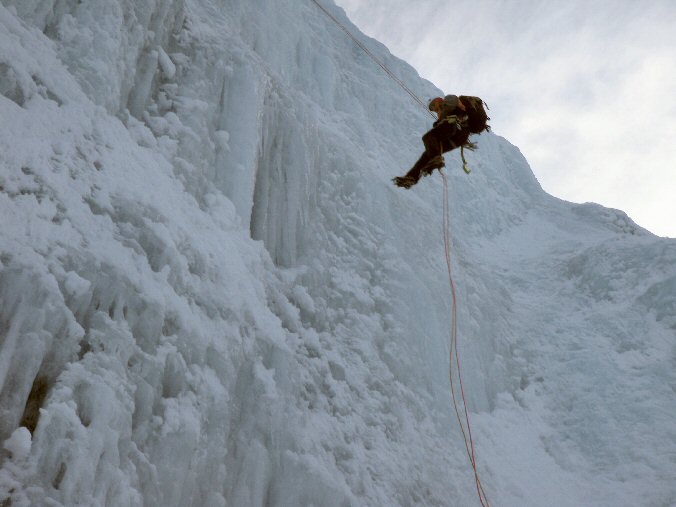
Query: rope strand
point(374, 58)
point(454, 355)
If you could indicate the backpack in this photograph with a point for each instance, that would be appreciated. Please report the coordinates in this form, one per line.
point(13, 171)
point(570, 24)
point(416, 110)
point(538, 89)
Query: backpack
point(477, 120)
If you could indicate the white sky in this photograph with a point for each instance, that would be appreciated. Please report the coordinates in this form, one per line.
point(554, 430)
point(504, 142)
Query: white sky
point(585, 89)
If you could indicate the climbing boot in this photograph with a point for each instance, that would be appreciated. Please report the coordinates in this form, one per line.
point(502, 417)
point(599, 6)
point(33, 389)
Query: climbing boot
point(404, 181)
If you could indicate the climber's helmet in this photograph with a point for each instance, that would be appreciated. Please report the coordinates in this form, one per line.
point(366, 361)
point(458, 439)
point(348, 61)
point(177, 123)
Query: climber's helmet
point(436, 104)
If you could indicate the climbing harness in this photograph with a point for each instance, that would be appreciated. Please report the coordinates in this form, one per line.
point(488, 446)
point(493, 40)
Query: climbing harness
point(459, 121)
point(454, 355)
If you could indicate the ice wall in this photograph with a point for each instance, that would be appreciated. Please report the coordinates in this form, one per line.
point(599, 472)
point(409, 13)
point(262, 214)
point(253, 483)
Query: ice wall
point(211, 294)
point(154, 350)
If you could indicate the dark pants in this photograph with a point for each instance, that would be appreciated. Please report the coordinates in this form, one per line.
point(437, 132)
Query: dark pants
point(442, 138)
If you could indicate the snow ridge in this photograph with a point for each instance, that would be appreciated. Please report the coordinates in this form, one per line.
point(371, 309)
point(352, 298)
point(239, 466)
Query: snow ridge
point(211, 294)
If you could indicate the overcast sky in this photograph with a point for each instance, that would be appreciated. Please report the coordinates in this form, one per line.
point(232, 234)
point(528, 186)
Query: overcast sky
point(586, 89)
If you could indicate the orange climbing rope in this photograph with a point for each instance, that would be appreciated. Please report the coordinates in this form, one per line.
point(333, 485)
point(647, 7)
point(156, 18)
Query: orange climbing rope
point(454, 356)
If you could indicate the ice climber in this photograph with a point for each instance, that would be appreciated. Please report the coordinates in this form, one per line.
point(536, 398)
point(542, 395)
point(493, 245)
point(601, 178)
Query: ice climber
point(458, 118)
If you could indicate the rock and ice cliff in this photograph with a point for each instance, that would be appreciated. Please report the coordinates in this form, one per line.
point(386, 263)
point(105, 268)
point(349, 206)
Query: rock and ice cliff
point(211, 294)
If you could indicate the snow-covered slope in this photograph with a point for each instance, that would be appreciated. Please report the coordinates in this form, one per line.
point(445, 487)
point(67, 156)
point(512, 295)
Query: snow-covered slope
point(211, 294)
